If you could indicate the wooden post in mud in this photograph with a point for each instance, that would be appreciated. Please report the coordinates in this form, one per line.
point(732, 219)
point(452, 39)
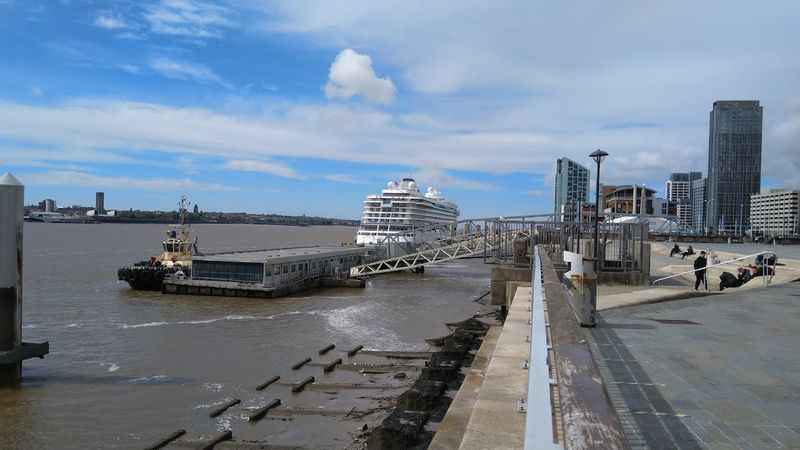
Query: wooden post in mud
point(11, 221)
point(12, 350)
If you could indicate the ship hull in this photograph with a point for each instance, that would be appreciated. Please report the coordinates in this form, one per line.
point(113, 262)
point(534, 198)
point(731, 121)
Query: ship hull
point(144, 278)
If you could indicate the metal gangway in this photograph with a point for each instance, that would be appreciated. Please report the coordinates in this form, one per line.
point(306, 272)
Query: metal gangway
point(496, 236)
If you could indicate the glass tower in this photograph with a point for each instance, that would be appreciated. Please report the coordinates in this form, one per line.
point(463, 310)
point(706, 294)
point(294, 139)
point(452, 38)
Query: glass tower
point(571, 189)
point(734, 164)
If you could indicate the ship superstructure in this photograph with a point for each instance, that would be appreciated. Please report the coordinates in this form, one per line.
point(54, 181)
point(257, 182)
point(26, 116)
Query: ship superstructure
point(400, 211)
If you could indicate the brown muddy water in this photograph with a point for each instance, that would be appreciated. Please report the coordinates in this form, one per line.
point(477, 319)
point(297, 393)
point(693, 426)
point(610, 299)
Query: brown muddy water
point(127, 368)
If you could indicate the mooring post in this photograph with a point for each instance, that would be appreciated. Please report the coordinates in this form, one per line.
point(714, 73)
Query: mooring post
point(11, 214)
point(12, 350)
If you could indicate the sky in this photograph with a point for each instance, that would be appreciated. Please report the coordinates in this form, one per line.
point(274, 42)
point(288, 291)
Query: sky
point(305, 107)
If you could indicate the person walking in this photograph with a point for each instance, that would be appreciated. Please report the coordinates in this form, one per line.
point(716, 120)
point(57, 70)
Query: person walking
point(700, 275)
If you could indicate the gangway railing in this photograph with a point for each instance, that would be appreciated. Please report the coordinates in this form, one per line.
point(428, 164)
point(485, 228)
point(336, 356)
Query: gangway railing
point(407, 240)
point(479, 245)
point(766, 276)
point(539, 430)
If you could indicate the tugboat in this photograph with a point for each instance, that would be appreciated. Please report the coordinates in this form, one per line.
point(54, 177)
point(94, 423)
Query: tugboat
point(175, 258)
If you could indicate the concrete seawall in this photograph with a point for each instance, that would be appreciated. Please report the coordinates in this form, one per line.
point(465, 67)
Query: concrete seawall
point(485, 412)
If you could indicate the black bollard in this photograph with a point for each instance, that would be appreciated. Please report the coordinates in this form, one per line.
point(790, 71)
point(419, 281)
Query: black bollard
point(223, 408)
point(261, 412)
point(264, 385)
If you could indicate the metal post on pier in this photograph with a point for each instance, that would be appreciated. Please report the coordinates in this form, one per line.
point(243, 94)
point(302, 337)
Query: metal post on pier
point(12, 350)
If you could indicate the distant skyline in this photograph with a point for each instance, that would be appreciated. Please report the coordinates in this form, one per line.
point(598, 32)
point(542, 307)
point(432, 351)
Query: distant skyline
point(295, 107)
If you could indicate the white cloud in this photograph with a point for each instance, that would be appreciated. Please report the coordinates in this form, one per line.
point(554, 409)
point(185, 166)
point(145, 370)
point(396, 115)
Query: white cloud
point(85, 179)
point(130, 68)
point(343, 178)
point(268, 167)
point(438, 179)
point(536, 193)
point(352, 74)
point(110, 22)
point(360, 134)
point(189, 18)
point(179, 70)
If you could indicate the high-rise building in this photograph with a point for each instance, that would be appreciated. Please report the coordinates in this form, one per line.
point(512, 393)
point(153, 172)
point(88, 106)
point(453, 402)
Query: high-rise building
point(100, 203)
point(47, 205)
point(678, 190)
point(734, 164)
point(699, 202)
point(571, 189)
point(776, 213)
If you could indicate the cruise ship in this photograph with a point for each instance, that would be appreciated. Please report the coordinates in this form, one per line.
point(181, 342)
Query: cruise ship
point(400, 210)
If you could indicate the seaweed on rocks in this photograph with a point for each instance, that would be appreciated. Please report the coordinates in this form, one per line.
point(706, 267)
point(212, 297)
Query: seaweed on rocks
point(401, 430)
point(471, 324)
point(426, 401)
point(422, 396)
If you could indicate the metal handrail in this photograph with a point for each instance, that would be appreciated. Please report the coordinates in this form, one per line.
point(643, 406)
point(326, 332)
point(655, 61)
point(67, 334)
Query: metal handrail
point(539, 433)
point(766, 252)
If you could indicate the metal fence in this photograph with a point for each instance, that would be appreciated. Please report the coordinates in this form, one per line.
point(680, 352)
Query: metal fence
point(621, 245)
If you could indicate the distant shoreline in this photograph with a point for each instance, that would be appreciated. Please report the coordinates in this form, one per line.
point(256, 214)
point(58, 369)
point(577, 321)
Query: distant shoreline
point(213, 218)
point(171, 222)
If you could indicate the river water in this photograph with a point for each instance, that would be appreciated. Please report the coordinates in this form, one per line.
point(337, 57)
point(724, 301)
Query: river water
point(128, 367)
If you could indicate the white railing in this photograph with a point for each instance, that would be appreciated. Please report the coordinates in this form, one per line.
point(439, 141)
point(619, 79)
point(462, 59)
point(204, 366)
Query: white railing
point(764, 266)
point(539, 434)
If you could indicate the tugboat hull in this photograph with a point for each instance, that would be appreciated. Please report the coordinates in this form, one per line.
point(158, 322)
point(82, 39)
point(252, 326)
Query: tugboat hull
point(144, 278)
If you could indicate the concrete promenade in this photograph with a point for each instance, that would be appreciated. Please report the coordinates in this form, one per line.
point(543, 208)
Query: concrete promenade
point(662, 265)
point(717, 372)
point(664, 369)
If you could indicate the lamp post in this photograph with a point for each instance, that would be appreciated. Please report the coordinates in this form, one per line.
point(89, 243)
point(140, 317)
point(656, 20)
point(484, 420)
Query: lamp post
point(598, 156)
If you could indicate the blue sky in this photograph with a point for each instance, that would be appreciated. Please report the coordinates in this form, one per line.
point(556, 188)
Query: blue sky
point(305, 107)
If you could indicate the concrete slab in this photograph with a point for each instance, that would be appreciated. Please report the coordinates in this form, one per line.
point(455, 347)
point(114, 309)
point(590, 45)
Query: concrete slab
point(649, 295)
point(495, 421)
point(706, 374)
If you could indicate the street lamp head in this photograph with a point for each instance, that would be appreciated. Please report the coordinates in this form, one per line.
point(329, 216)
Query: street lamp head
point(598, 156)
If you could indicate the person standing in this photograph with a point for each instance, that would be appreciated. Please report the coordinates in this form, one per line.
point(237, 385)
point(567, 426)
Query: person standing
point(700, 275)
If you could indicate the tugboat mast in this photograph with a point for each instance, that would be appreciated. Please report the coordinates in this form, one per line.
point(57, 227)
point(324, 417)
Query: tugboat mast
point(183, 206)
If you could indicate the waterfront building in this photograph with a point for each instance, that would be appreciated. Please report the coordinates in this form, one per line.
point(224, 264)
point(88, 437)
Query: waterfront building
point(100, 203)
point(775, 213)
point(571, 189)
point(47, 205)
point(699, 202)
point(678, 192)
point(268, 273)
point(588, 212)
point(400, 210)
point(734, 164)
point(628, 200)
point(664, 208)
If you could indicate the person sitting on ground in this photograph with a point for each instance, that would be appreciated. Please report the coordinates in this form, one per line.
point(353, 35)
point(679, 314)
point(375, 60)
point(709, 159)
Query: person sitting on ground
point(689, 252)
point(700, 270)
point(771, 260)
point(758, 271)
point(728, 280)
point(675, 251)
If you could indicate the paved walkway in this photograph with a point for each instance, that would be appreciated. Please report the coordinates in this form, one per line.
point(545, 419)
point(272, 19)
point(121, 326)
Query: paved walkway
point(719, 372)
